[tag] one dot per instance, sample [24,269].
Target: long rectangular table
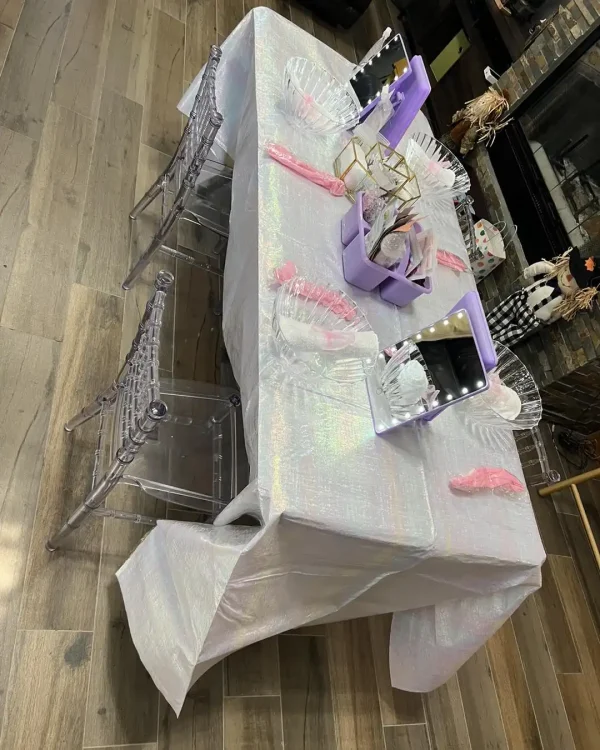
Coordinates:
[352,524]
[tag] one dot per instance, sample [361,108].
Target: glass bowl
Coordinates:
[320,330]
[315,100]
[426,156]
[495,407]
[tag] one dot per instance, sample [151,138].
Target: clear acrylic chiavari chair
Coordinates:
[177,440]
[193,188]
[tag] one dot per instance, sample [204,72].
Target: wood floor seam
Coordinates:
[428,732]
[464,714]
[377,687]
[102,291]
[222,702]
[537,723]
[253,695]
[53,630]
[583,591]
[281,719]
[87,695]
[497,699]
[5,327]
[545,640]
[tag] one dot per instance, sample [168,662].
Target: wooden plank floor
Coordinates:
[87,119]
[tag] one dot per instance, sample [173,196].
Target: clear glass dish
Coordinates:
[426,157]
[534,458]
[315,100]
[492,408]
[320,331]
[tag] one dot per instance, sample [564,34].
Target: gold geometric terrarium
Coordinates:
[392,175]
[351,167]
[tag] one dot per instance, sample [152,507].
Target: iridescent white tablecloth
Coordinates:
[352,524]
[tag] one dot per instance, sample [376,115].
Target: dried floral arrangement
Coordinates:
[478,121]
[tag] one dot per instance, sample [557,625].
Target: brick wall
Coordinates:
[575,20]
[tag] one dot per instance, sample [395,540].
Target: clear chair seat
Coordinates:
[210,202]
[192,458]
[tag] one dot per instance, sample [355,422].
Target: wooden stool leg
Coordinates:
[586,524]
[572,483]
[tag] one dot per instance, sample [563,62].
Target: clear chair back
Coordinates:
[202,127]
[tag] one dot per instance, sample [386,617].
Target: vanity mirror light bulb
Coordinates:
[449,397]
[435,403]
[407,415]
[446,322]
[479,384]
[460,315]
[432,329]
[464,391]
[418,336]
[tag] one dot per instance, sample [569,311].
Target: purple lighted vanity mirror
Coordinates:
[368,80]
[409,86]
[422,375]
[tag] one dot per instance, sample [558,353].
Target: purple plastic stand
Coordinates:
[402,291]
[409,93]
[415,88]
[358,269]
[471,302]
[353,222]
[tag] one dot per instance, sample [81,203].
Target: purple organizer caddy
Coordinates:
[364,274]
[401,291]
[353,222]
[358,269]
[409,93]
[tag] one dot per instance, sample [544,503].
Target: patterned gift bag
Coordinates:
[489,249]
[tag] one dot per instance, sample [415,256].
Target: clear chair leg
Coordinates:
[93,409]
[92,501]
[155,413]
[153,247]
[545,474]
[152,193]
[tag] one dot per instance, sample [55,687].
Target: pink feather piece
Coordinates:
[446,258]
[285,272]
[487,478]
[324,179]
